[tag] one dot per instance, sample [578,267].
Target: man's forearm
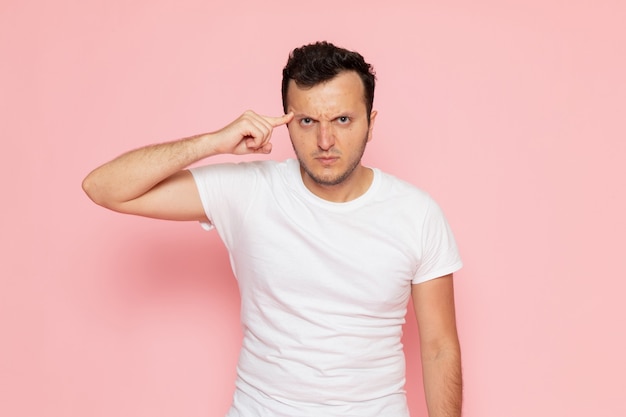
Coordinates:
[443,383]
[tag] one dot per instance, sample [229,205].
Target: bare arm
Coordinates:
[441,354]
[152,181]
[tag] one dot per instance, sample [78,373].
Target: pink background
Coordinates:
[511,113]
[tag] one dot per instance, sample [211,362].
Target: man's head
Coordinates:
[319,62]
[330,92]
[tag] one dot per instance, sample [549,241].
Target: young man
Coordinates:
[326,251]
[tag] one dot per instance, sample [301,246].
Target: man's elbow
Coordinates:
[435,350]
[95,192]
[90,188]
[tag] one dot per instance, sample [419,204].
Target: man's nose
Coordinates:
[325,136]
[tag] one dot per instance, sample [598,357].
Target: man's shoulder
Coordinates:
[272,168]
[398,187]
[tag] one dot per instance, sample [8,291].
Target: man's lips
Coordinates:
[327,159]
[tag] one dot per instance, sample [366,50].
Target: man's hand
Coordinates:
[250,133]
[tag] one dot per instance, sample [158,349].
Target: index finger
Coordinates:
[278,121]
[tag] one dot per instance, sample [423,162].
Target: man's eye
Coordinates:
[343,119]
[306,121]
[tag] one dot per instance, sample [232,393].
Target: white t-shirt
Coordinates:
[324,287]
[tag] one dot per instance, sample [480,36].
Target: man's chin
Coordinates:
[327,179]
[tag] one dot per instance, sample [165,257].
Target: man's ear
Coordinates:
[371,126]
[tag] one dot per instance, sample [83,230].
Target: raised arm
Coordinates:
[441,354]
[153,181]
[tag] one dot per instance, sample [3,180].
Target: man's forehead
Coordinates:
[345,87]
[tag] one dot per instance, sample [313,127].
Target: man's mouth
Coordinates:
[327,159]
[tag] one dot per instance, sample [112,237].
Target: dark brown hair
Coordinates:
[318,62]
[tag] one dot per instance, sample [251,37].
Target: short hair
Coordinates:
[318,62]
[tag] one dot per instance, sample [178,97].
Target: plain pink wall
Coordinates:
[511,113]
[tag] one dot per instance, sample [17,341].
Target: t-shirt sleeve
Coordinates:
[225,191]
[440,254]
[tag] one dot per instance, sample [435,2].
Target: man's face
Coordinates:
[329,130]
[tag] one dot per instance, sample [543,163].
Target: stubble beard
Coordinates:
[339,178]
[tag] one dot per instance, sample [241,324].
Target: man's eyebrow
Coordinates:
[336,116]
